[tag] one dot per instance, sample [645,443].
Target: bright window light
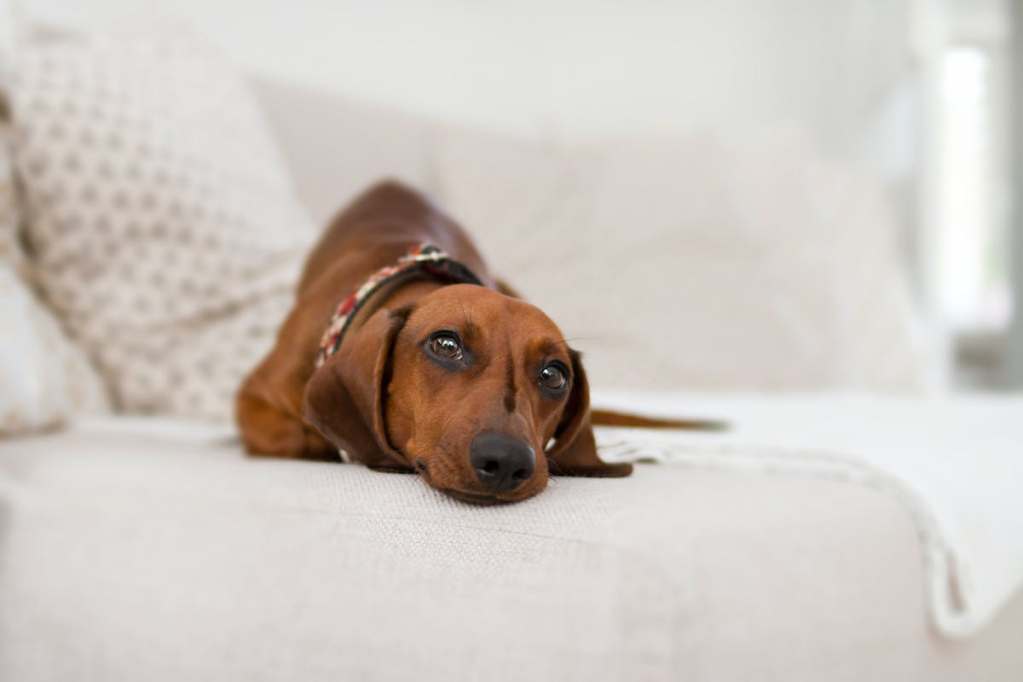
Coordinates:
[973,290]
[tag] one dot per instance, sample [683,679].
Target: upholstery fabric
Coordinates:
[336,146]
[138,548]
[165,231]
[953,463]
[746,263]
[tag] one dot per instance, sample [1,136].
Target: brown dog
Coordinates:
[466,384]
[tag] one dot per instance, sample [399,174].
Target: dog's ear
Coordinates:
[344,398]
[574,452]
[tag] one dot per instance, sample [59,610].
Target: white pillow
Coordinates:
[165,230]
[46,379]
[694,262]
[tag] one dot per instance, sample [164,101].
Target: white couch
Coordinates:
[144,548]
[139,548]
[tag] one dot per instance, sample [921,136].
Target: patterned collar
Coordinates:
[424,259]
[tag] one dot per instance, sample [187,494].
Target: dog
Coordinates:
[404,352]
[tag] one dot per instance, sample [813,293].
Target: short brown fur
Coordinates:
[380,398]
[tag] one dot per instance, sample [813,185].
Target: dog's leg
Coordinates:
[270,432]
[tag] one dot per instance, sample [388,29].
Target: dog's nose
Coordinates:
[502,462]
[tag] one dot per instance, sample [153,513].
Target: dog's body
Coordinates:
[388,399]
[468,385]
[377,229]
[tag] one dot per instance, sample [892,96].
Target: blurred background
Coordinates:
[918,93]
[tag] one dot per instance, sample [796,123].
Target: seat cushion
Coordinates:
[149,549]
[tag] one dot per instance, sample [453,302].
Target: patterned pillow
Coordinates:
[45,378]
[164,229]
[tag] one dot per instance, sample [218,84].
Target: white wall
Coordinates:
[576,67]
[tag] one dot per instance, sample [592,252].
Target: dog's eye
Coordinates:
[554,377]
[446,345]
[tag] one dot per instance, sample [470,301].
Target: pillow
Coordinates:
[694,262]
[164,228]
[45,378]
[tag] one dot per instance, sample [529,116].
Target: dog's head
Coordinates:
[475,390]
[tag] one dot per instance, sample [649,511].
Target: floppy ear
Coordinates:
[344,398]
[575,449]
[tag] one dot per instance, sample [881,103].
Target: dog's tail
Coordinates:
[600,417]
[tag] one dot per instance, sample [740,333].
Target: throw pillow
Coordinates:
[164,228]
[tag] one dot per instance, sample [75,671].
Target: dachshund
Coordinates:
[404,352]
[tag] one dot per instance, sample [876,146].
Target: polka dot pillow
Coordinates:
[164,228]
[45,378]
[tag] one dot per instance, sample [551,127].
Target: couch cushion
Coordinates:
[336,146]
[146,549]
[697,261]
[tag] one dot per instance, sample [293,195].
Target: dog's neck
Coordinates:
[394,296]
[421,262]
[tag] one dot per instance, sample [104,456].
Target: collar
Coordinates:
[424,259]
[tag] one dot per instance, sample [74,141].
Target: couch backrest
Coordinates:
[336,146]
[691,261]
